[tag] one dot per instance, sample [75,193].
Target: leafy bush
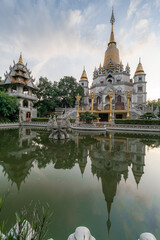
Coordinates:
[88,117]
[40,119]
[37,226]
[72,120]
[137,121]
[147,115]
[8,108]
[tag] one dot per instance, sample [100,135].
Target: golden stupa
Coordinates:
[139,69]
[112,51]
[84,75]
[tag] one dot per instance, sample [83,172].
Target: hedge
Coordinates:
[39,119]
[137,121]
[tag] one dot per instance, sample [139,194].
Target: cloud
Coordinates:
[133,7]
[58,38]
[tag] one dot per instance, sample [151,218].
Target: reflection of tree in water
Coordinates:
[61,153]
[16,156]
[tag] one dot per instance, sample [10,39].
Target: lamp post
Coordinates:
[110,114]
[128,95]
[92,95]
[78,98]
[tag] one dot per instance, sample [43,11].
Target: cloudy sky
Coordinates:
[58,37]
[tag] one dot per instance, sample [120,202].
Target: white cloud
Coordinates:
[133,7]
[58,41]
[142,24]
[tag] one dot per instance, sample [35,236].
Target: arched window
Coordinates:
[25,103]
[25,90]
[14,89]
[98,100]
[119,98]
[110,79]
[107,99]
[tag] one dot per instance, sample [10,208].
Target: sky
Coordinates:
[58,38]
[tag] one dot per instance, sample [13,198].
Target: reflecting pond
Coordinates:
[108,183]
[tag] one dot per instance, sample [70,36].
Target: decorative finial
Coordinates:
[112,17]
[20,59]
[139,60]
[112,20]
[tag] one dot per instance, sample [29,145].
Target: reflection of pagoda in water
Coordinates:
[111,159]
[17,164]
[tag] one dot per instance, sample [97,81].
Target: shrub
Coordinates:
[137,121]
[40,119]
[88,117]
[147,115]
[72,120]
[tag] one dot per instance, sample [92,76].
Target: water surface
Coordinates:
[108,183]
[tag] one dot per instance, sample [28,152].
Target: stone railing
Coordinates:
[136,127]
[9,125]
[81,233]
[23,95]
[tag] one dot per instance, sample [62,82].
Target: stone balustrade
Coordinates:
[81,233]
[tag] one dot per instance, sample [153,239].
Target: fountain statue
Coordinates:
[59,126]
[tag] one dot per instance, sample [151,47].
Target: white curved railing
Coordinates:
[81,233]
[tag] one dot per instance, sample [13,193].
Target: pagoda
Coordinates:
[19,83]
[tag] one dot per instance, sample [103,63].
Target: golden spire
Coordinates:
[84,75]
[95,70]
[139,69]
[112,33]
[121,63]
[100,66]
[112,51]
[20,59]
[127,65]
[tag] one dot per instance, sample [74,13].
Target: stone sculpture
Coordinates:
[147,236]
[59,126]
[81,233]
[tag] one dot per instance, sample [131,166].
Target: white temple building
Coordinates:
[115,95]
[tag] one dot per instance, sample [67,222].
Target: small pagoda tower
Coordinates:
[19,83]
[84,83]
[139,88]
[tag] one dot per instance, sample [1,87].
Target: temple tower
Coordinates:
[139,97]
[19,83]
[84,83]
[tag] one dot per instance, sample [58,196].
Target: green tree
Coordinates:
[47,96]
[8,107]
[88,117]
[147,115]
[62,94]
[69,88]
[2,88]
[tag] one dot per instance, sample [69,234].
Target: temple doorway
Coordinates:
[103,117]
[28,116]
[119,116]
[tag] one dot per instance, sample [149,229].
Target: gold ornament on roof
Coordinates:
[78,97]
[139,69]
[84,76]
[127,65]
[112,51]
[95,70]
[20,59]
[92,95]
[112,21]
[100,66]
